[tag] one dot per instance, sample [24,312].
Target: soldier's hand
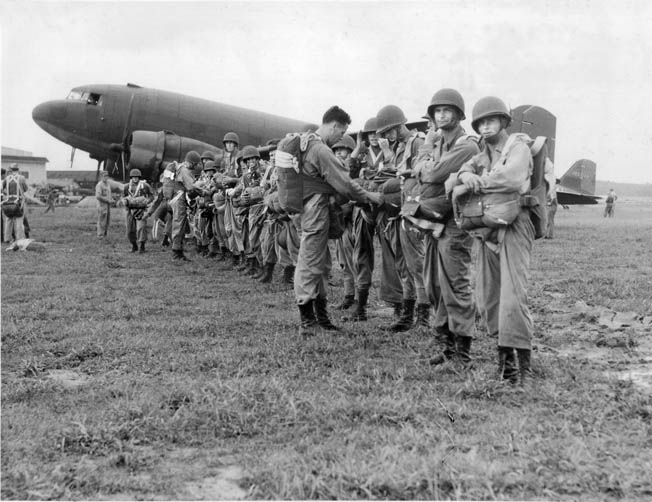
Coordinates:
[376,198]
[431,137]
[470,180]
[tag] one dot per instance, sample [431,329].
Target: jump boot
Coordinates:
[507,369]
[308,326]
[450,347]
[254,268]
[404,322]
[321,313]
[235,261]
[166,241]
[524,369]
[360,312]
[288,274]
[268,273]
[134,247]
[464,349]
[141,250]
[348,301]
[423,315]
[178,255]
[244,263]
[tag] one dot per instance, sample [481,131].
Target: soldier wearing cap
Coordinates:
[137,195]
[502,170]
[14,187]
[104,202]
[403,248]
[447,264]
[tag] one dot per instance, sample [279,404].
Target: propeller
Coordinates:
[72,156]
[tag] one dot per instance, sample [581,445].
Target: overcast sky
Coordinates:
[588,62]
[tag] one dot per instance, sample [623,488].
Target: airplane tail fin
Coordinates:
[580,177]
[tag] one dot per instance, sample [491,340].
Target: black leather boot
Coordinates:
[141,249]
[346,302]
[507,369]
[166,241]
[253,268]
[308,324]
[464,349]
[404,322]
[244,263]
[321,313]
[134,247]
[423,315]
[450,348]
[524,369]
[360,312]
[178,255]
[288,274]
[268,273]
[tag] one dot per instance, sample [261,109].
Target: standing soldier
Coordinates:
[50,200]
[448,257]
[104,202]
[400,148]
[137,196]
[325,177]
[182,185]
[251,198]
[502,169]
[231,144]
[204,215]
[610,202]
[14,187]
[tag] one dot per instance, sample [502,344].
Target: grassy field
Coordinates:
[129,376]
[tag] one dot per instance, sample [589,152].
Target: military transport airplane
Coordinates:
[577,185]
[145,128]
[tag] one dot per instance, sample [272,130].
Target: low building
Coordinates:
[73,177]
[33,168]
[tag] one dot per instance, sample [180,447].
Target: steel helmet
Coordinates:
[208,155]
[210,166]
[250,151]
[389,116]
[448,97]
[345,142]
[238,157]
[135,173]
[370,125]
[231,136]
[487,107]
[192,157]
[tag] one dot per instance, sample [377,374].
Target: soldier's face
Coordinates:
[336,131]
[489,128]
[252,163]
[445,117]
[229,146]
[391,135]
[373,139]
[342,153]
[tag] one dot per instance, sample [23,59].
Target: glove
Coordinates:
[230,192]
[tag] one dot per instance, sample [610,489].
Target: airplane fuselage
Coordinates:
[99,118]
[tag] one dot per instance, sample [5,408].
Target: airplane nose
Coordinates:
[45,113]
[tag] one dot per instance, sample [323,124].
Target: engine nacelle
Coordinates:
[150,151]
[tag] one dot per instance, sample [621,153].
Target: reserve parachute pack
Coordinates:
[289,155]
[497,210]
[169,177]
[12,205]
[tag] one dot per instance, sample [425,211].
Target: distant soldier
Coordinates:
[327,177]
[610,203]
[205,214]
[14,187]
[104,202]
[447,261]
[137,194]
[51,198]
[503,170]
[2,215]
[403,247]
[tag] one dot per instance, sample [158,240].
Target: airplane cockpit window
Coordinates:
[75,95]
[91,98]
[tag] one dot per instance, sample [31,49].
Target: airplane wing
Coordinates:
[573,199]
